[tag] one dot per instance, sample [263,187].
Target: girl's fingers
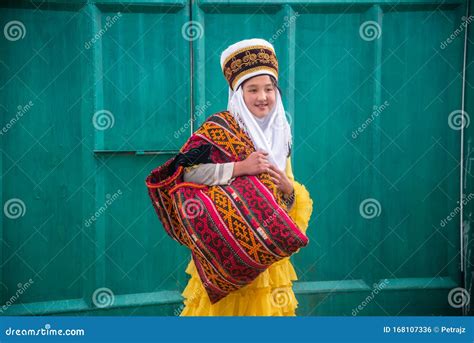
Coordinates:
[273,173]
[275,169]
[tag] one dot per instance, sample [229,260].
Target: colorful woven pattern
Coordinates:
[236,231]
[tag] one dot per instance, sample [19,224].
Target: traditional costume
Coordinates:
[241,231]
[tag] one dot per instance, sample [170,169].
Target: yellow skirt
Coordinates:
[270,294]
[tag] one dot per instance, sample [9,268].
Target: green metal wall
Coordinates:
[468,186]
[107,110]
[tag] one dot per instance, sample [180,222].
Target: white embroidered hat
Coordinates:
[248,58]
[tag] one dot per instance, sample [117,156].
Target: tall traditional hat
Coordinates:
[248,58]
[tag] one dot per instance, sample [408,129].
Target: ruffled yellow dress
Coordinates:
[270,294]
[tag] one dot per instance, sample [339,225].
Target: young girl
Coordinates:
[251,69]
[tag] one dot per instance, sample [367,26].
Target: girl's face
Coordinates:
[259,95]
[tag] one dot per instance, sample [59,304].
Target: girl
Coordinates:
[251,69]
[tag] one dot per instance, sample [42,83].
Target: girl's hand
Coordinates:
[281,180]
[256,163]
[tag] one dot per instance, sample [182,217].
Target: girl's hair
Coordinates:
[272,78]
[275,83]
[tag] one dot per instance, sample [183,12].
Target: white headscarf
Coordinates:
[271,133]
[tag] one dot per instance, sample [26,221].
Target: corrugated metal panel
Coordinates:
[467,238]
[110,82]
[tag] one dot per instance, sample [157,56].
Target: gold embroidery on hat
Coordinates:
[245,61]
[263,68]
[253,47]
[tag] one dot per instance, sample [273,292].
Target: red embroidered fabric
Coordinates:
[234,232]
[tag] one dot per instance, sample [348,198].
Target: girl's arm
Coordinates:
[224,173]
[210,173]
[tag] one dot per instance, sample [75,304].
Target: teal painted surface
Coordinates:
[65,169]
[468,186]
